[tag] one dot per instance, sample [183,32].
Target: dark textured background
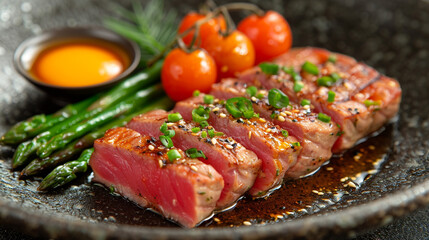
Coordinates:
[392,36]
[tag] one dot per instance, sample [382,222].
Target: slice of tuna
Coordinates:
[277,152]
[237,165]
[184,190]
[356,119]
[316,137]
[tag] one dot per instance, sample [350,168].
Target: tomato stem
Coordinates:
[230,26]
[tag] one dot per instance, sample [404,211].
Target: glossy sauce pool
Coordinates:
[79,63]
[296,198]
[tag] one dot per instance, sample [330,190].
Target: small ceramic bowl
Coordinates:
[28,50]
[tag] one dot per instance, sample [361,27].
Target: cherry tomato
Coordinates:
[183,73]
[270,34]
[213,26]
[232,54]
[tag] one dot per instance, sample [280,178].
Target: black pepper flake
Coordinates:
[181,126]
[207,140]
[159,153]
[294,120]
[240,121]
[234,145]
[153,139]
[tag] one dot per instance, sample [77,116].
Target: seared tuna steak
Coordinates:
[184,190]
[316,137]
[237,165]
[277,152]
[338,86]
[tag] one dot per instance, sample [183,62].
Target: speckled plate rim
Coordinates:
[346,221]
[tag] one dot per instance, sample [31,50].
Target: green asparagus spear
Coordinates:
[127,106]
[39,123]
[67,172]
[138,81]
[39,165]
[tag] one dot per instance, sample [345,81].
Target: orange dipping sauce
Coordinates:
[79,63]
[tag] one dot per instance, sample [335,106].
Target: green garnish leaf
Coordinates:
[203,134]
[211,133]
[251,91]
[269,68]
[195,129]
[174,117]
[204,124]
[277,98]
[324,118]
[195,153]
[173,154]
[208,99]
[310,68]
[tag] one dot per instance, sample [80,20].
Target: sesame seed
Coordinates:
[247,223]
[151,147]
[254,99]
[262,92]
[170,124]
[279,216]
[281,119]
[250,135]
[211,105]
[295,111]
[268,130]
[283,114]
[214,141]
[348,85]
[216,219]
[329,168]
[315,191]
[373,171]
[289,213]
[344,179]
[229,146]
[371,147]
[216,109]
[222,115]
[262,120]
[194,168]
[352,184]
[306,107]
[287,113]
[161,164]
[320,193]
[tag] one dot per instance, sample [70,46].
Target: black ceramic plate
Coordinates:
[390,35]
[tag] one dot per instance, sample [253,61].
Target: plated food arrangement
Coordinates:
[279,120]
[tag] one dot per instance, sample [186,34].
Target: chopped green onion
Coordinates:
[274,115]
[323,117]
[332,58]
[277,98]
[259,96]
[200,114]
[203,134]
[195,129]
[173,154]
[208,99]
[298,86]
[251,91]
[371,103]
[310,68]
[296,144]
[331,96]
[335,77]
[219,133]
[240,107]
[325,81]
[204,124]
[211,133]
[195,153]
[305,102]
[174,117]
[163,127]
[196,93]
[295,76]
[269,68]
[167,133]
[285,133]
[166,141]
[256,115]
